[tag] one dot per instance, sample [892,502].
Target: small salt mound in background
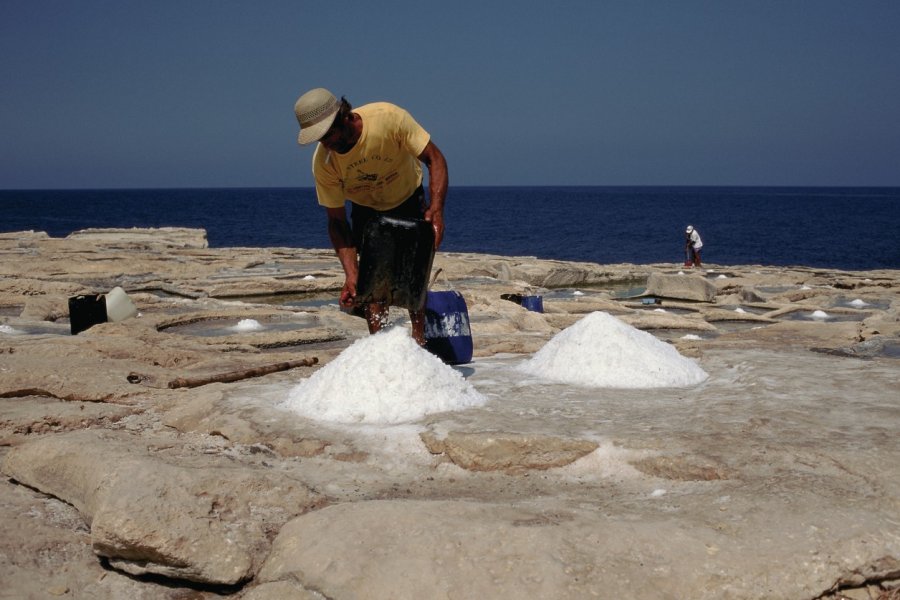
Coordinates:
[859,302]
[819,314]
[248,325]
[382,378]
[603,351]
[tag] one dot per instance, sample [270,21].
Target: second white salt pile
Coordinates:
[385,378]
[603,351]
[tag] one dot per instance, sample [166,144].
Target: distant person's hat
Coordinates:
[315,112]
[689,229]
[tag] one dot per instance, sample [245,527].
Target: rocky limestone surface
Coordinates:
[153,457]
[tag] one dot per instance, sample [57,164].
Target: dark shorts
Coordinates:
[411,208]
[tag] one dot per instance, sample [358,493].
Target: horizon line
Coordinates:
[463,186]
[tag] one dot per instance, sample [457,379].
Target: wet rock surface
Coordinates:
[779,477]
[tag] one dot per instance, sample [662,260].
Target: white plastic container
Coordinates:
[119,306]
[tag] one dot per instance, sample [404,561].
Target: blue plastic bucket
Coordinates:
[533,303]
[448,334]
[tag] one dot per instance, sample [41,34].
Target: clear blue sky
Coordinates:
[185,93]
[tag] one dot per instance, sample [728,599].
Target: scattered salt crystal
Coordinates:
[248,325]
[805,287]
[6,329]
[603,351]
[382,378]
[657,493]
[608,461]
[819,314]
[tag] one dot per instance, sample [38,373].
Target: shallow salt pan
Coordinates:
[603,351]
[384,378]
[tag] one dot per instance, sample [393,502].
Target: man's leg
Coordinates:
[417,318]
[376,316]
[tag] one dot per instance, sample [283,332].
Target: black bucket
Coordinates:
[395,261]
[86,311]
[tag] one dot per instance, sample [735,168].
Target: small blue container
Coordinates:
[447,332]
[533,303]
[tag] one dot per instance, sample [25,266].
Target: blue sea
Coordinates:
[842,228]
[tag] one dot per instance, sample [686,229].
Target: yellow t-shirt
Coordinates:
[382,169]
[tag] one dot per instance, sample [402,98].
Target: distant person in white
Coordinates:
[692,245]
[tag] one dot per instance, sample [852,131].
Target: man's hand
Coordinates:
[436,218]
[348,294]
[342,240]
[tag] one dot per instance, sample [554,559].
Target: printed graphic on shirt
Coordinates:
[369,174]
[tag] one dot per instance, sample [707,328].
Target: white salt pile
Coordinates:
[819,314]
[382,378]
[578,293]
[602,351]
[691,336]
[248,325]
[859,302]
[309,278]
[6,329]
[739,310]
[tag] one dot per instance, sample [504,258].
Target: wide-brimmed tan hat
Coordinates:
[315,112]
